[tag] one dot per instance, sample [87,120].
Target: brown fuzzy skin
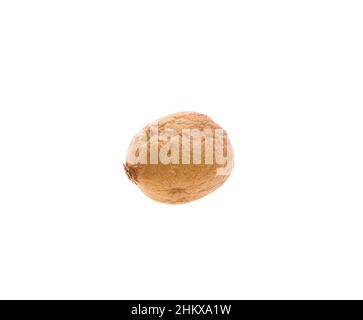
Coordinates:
[179,183]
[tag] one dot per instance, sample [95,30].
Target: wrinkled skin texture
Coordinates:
[179,183]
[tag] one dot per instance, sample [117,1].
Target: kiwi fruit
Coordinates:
[179,158]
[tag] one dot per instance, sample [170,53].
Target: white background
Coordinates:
[79,78]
